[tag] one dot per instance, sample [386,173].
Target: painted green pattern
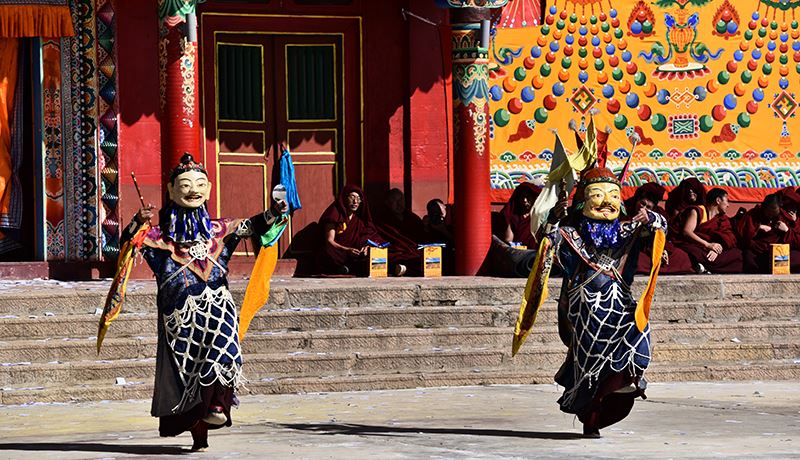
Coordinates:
[172,8]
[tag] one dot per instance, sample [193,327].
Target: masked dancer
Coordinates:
[199,360]
[605,329]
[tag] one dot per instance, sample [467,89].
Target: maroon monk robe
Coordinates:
[793,235]
[717,230]
[351,232]
[793,240]
[679,261]
[678,201]
[515,216]
[791,202]
[405,237]
[755,242]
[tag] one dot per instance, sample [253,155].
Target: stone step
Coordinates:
[312,319]
[294,364]
[658,372]
[38,298]
[135,325]
[495,338]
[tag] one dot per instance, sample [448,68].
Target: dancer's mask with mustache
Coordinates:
[601,195]
[602,201]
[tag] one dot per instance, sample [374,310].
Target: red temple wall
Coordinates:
[406,97]
[407,100]
[138,95]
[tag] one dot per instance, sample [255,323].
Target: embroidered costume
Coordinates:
[607,351]
[198,344]
[199,359]
[604,327]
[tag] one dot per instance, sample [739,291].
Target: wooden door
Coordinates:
[263,88]
[244,126]
[308,118]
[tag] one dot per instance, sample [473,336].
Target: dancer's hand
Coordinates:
[642,216]
[665,257]
[144,214]
[560,211]
[280,207]
[711,256]
[782,227]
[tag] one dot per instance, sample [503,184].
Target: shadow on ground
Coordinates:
[94,447]
[377,430]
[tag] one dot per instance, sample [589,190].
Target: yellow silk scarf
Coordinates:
[535,294]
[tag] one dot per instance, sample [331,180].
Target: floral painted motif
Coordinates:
[188,60]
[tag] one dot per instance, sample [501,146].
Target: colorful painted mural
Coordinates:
[709,87]
[79,114]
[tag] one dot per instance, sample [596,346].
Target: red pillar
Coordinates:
[180,121]
[470,139]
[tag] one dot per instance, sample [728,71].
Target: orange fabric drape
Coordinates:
[642,313]
[257,292]
[35,21]
[8,82]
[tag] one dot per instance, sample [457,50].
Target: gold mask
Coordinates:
[602,201]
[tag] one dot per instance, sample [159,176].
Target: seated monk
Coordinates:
[439,230]
[347,226]
[690,192]
[404,230]
[759,229]
[517,216]
[437,224]
[790,206]
[708,237]
[789,210]
[674,261]
[514,226]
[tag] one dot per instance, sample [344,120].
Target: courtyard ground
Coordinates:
[753,420]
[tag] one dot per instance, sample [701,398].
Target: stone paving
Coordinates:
[752,420]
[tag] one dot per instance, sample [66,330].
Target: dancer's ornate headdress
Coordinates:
[187,164]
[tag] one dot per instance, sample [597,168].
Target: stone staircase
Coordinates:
[364,334]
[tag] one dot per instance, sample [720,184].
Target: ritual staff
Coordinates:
[708,236]
[606,332]
[674,261]
[348,233]
[199,361]
[404,230]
